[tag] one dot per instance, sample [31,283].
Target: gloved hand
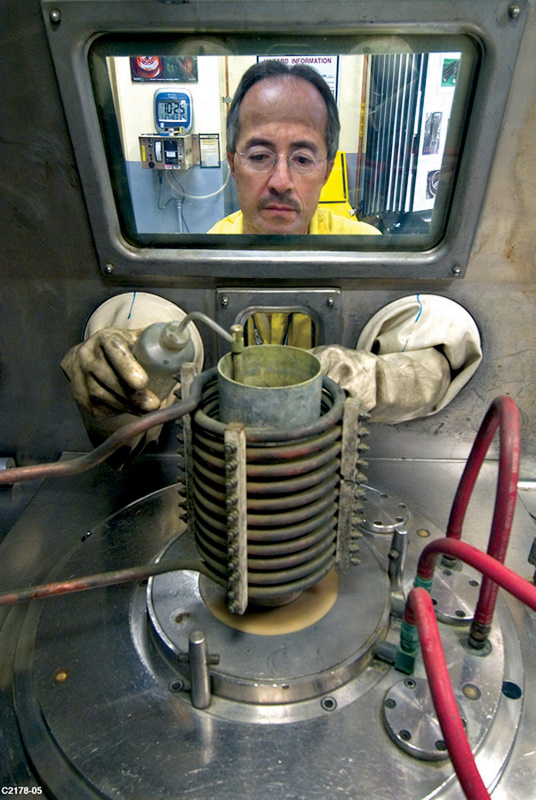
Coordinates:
[394,387]
[411,359]
[107,382]
[105,377]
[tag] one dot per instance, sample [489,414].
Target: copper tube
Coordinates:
[100,580]
[118,439]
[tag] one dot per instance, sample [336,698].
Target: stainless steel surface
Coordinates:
[410,717]
[275,668]
[455,596]
[199,674]
[92,657]
[383,513]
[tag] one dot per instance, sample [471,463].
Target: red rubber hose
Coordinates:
[420,611]
[502,414]
[483,562]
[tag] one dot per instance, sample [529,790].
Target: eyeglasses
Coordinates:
[261,159]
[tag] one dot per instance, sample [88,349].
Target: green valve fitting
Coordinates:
[408,649]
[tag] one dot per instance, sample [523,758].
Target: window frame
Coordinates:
[82,22]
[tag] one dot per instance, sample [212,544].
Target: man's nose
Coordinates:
[280,177]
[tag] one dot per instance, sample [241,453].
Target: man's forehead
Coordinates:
[284,99]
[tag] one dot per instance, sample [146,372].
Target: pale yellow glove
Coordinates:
[105,377]
[394,387]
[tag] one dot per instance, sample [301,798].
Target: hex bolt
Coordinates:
[514,11]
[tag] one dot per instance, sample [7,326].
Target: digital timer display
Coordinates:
[173,111]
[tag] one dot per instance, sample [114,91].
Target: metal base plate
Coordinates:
[103,714]
[318,657]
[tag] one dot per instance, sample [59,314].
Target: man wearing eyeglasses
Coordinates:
[282,138]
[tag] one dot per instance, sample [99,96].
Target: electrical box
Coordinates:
[166,152]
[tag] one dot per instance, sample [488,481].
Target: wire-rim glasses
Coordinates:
[262,159]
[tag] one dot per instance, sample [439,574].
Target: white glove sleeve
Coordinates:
[411,359]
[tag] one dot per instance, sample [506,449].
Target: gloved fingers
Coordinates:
[104,384]
[105,399]
[115,346]
[79,389]
[106,378]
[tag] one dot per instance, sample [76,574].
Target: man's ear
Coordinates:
[329,167]
[230,161]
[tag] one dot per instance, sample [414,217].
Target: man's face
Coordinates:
[284,115]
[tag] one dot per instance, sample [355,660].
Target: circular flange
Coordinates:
[274,667]
[455,595]
[382,513]
[411,722]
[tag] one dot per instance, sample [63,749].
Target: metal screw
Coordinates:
[514,11]
[330,301]
[109,268]
[55,16]
[456,270]
[61,675]
[328,703]
[224,301]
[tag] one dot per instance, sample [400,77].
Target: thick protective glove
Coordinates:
[107,382]
[394,387]
[105,377]
[411,359]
